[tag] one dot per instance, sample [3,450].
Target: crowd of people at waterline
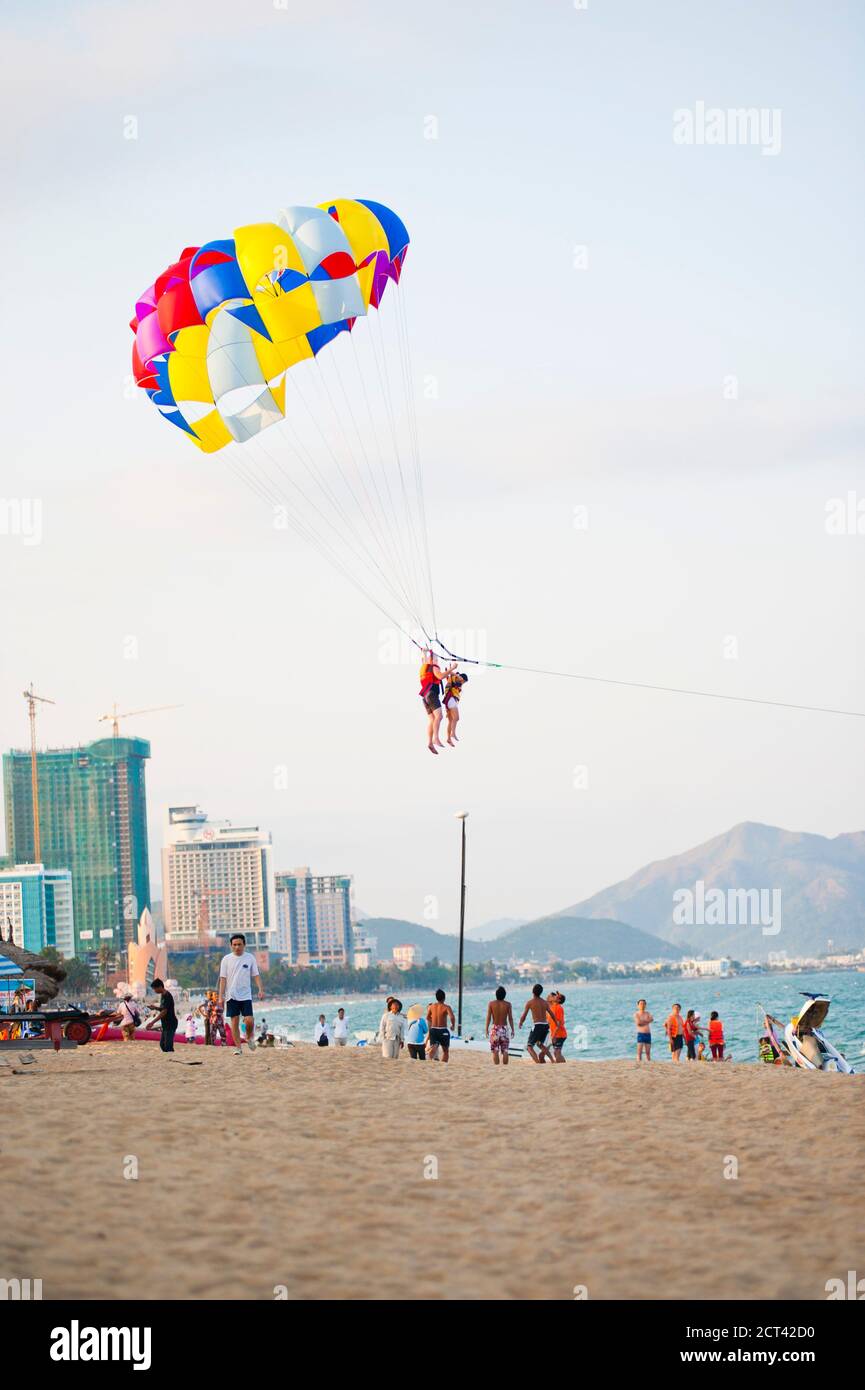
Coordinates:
[684,1034]
[423,1031]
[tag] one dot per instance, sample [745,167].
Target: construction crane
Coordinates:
[115,716]
[205,935]
[31,697]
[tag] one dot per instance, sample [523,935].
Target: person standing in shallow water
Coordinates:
[644,1020]
[499,1027]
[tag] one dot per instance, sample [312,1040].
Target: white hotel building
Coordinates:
[217,876]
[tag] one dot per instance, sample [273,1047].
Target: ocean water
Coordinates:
[599,1017]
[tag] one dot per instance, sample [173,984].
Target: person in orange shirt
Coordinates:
[716,1037]
[675,1031]
[557,1027]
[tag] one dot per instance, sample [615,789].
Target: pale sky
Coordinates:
[566,379]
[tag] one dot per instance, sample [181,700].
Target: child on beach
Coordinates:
[644,1020]
[216,1019]
[716,1037]
[499,1027]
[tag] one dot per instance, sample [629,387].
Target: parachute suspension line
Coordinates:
[424,557]
[411,407]
[362,554]
[384,471]
[308,462]
[325,546]
[292,377]
[262,490]
[379,515]
[330,451]
[664,689]
[392,530]
[384,384]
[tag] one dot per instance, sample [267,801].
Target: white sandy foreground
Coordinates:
[304,1170]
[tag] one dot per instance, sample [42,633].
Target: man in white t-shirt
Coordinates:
[340,1029]
[236,974]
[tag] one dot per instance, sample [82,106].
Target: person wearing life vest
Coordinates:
[559,1033]
[453,688]
[675,1031]
[431,677]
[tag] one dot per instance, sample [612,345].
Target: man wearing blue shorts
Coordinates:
[236,974]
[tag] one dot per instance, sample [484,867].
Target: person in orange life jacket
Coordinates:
[559,1031]
[453,690]
[675,1031]
[716,1036]
[431,677]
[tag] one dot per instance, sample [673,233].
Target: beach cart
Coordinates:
[52,1028]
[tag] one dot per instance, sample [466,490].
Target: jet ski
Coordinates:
[804,1037]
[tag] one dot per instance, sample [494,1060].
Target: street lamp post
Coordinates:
[463,817]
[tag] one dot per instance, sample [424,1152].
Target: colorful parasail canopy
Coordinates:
[217,331]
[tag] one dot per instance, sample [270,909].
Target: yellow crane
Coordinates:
[31,697]
[115,716]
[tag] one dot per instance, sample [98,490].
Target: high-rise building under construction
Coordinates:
[93,821]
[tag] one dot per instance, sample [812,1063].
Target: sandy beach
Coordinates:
[305,1169]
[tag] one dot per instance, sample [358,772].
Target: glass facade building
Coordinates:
[313,913]
[36,905]
[93,821]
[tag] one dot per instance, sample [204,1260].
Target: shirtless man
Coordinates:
[542,1017]
[440,1017]
[644,1020]
[499,1027]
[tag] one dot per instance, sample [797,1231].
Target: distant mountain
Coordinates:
[763,889]
[569,939]
[392,931]
[488,931]
[581,938]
